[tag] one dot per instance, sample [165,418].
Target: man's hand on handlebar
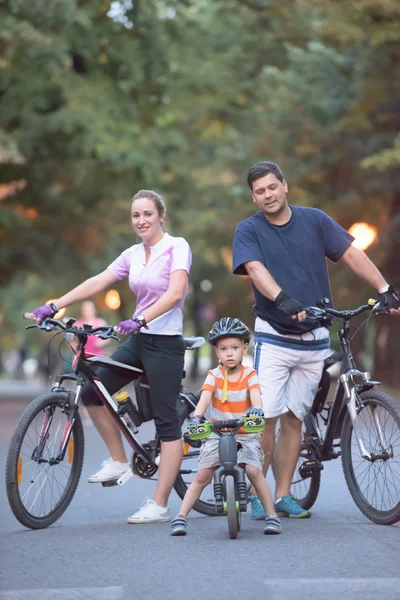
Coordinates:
[290,307]
[391,300]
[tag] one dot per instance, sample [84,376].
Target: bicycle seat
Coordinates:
[333,358]
[193,342]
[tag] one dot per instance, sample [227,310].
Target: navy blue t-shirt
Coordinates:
[295,255]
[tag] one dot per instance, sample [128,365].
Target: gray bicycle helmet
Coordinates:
[229,327]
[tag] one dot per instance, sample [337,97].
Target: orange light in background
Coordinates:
[112,300]
[364,234]
[60,312]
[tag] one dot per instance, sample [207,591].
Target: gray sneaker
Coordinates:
[178,526]
[272,525]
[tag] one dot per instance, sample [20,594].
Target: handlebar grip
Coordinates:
[29,316]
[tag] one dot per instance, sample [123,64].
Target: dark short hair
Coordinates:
[261,169]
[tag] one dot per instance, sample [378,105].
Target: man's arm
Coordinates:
[362,266]
[266,284]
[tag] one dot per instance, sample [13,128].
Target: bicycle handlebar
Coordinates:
[326,312]
[49,324]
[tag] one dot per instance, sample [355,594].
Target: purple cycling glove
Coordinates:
[43,312]
[128,327]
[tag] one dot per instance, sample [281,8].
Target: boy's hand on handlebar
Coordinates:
[195,420]
[391,300]
[290,307]
[128,327]
[43,312]
[255,412]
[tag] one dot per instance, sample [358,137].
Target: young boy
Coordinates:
[231,391]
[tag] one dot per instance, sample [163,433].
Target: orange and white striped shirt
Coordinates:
[238,397]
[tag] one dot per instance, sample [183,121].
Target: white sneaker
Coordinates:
[150,512]
[110,469]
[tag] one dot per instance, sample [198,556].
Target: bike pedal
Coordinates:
[110,483]
[309,467]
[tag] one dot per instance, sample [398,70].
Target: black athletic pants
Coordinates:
[162,358]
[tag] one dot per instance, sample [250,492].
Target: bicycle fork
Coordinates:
[353,402]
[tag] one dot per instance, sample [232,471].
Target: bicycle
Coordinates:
[230,487]
[354,426]
[46,452]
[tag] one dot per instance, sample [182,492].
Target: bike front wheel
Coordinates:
[39,485]
[231,507]
[374,484]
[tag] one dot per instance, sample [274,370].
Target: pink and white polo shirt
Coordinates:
[149,282]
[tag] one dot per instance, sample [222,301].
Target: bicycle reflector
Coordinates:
[199,431]
[253,424]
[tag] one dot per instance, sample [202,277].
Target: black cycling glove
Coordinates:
[391,298]
[288,305]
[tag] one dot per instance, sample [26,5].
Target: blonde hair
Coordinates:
[154,197]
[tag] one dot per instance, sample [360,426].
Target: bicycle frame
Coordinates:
[346,396]
[82,371]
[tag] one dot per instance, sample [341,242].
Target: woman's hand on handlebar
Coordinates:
[128,327]
[43,312]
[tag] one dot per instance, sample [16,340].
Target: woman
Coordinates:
[158,271]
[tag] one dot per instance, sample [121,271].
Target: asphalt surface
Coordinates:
[91,552]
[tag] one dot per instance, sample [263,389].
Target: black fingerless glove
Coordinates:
[288,305]
[390,298]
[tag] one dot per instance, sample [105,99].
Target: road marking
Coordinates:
[331,588]
[82,593]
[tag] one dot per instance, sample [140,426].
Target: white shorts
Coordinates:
[289,373]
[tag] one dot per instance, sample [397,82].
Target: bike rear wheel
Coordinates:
[232,512]
[374,486]
[39,487]
[189,467]
[305,489]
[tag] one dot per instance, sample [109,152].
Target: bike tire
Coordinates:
[310,495]
[180,486]
[230,490]
[305,495]
[14,463]
[371,398]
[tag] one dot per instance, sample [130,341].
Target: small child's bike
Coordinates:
[230,487]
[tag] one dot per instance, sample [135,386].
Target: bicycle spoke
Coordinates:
[43,485]
[378,481]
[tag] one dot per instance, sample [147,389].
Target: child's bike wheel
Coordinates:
[233,519]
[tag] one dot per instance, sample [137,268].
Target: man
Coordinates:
[283,248]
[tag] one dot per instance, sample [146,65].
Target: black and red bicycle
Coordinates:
[46,451]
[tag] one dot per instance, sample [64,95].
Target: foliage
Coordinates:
[99,99]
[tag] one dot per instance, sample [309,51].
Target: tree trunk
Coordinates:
[387,342]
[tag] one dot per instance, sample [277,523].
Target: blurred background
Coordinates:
[99,99]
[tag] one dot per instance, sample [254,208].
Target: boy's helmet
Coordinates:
[229,327]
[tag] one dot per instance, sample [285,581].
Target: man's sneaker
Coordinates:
[150,512]
[272,525]
[288,507]
[257,509]
[110,469]
[178,526]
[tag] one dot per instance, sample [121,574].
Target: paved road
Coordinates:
[93,553]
